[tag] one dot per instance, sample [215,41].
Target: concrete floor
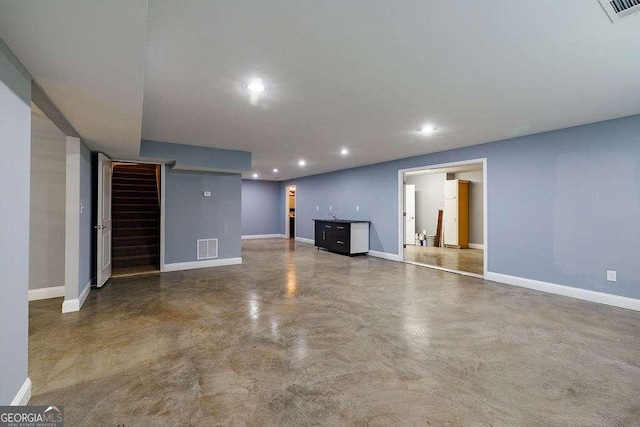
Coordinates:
[296,336]
[469,260]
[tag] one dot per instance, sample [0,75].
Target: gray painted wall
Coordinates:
[476,205]
[191,216]
[262,212]
[86,235]
[190,156]
[47,205]
[429,198]
[15,140]
[563,206]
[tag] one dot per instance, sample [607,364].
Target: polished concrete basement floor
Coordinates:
[469,260]
[296,336]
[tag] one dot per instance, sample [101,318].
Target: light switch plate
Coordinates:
[207,194]
[612,276]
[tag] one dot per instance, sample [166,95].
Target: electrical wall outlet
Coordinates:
[357,208]
[330,208]
[612,276]
[317,208]
[206,193]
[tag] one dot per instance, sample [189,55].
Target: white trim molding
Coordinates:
[567,291]
[72,218]
[163,179]
[23,395]
[448,270]
[476,246]
[46,293]
[69,306]
[385,255]
[192,265]
[305,240]
[262,236]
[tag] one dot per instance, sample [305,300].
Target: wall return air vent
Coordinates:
[620,9]
[207,248]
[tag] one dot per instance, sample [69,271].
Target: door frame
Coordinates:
[163,174]
[485,212]
[286,211]
[404,210]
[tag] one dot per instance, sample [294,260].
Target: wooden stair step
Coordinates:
[135,223]
[150,190]
[135,207]
[130,197]
[126,179]
[130,261]
[132,251]
[135,240]
[130,215]
[134,171]
[126,185]
[135,232]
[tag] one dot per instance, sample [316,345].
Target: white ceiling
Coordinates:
[88,56]
[360,74]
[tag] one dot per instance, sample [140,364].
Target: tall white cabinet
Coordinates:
[456,214]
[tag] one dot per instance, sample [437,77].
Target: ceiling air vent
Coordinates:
[620,9]
[207,248]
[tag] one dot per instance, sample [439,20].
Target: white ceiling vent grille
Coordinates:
[620,9]
[207,248]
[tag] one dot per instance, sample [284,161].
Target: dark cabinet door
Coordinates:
[340,244]
[341,229]
[323,235]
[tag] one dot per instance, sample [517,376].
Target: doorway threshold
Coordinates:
[448,270]
[133,271]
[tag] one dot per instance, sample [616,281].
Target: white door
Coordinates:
[105,172]
[410,214]
[450,219]
[451,189]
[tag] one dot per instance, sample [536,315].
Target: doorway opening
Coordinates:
[443,217]
[290,211]
[135,203]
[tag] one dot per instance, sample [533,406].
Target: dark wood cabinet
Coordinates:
[342,236]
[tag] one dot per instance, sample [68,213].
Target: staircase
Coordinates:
[136,218]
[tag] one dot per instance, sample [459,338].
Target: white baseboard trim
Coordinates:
[192,265]
[385,255]
[24,394]
[305,240]
[448,270]
[567,291]
[69,306]
[476,246]
[263,236]
[46,293]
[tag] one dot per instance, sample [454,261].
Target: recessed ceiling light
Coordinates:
[255,175]
[344,151]
[275,170]
[427,129]
[256,86]
[302,163]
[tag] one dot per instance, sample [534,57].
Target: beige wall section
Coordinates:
[429,198]
[47,211]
